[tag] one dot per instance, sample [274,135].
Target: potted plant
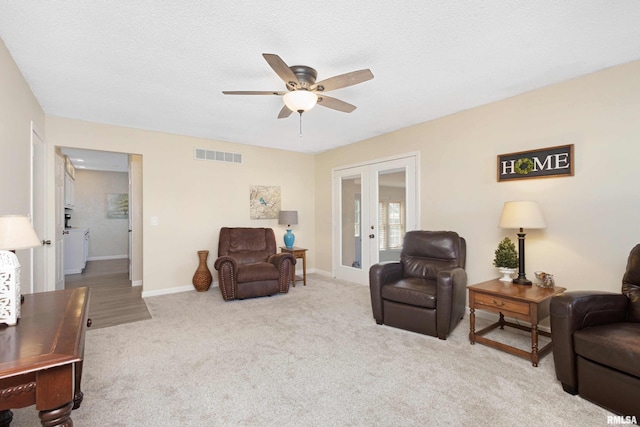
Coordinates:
[506,259]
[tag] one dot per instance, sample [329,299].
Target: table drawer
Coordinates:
[502,304]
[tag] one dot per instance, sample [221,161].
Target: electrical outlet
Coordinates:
[154,220]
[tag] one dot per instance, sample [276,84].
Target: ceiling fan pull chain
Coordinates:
[300,112]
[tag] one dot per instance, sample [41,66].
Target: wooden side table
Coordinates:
[297,253]
[41,357]
[527,303]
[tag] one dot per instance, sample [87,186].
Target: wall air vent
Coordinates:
[219,156]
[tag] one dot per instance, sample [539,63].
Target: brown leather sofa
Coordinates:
[426,291]
[248,265]
[596,343]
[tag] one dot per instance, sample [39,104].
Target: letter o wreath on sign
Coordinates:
[523,166]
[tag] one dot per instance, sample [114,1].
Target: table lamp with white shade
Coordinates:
[521,215]
[16,232]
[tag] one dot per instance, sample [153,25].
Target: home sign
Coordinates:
[541,163]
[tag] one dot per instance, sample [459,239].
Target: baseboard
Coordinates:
[300,271]
[167,291]
[101,258]
[322,273]
[136,283]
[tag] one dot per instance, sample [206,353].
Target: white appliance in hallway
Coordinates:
[76,249]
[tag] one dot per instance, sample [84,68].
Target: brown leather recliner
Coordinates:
[426,291]
[596,343]
[248,265]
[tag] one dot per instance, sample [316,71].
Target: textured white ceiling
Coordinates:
[163,65]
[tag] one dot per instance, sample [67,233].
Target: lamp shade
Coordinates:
[521,214]
[16,232]
[300,100]
[288,217]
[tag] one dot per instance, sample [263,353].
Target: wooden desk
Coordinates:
[297,253]
[41,356]
[527,303]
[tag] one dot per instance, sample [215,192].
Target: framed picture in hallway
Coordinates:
[117,205]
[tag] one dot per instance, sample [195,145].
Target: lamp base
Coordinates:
[289,238]
[522,277]
[522,281]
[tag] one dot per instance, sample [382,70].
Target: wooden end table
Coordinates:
[297,253]
[527,303]
[41,357]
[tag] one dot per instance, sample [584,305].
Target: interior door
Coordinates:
[135,219]
[38,274]
[374,206]
[130,219]
[59,222]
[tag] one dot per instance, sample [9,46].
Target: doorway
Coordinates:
[374,206]
[105,199]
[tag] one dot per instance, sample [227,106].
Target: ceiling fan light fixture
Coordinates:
[300,100]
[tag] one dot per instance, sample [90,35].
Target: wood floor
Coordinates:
[113,300]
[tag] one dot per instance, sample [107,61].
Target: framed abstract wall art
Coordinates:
[264,201]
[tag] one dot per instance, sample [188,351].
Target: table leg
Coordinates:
[6,417]
[60,417]
[501,321]
[304,268]
[293,275]
[534,345]
[79,395]
[472,327]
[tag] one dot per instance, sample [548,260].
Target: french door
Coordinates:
[374,206]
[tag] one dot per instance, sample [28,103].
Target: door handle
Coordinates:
[65,232]
[371,236]
[46,242]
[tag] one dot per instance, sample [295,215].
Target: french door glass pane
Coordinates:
[391,213]
[351,222]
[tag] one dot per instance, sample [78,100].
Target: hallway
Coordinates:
[113,300]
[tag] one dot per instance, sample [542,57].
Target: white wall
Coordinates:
[18,108]
[109,238]
[593,217]
[193,199]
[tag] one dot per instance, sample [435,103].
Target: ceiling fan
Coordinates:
[303,92]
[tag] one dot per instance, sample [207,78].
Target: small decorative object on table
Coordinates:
[506,259]
[202,278]
[546,280]
[16,232]
[9,288]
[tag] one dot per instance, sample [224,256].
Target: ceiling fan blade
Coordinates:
[335,104]
[284,113]
[343,80]
[281,69]
[252,92]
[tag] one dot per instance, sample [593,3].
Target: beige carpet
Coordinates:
[312,357]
